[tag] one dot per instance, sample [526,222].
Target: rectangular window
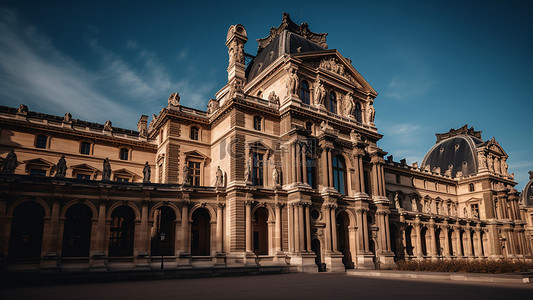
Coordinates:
[160,173]
[257,123]
[257,171]
[37,172]
[41,141]
[85,148]
[124,154]
[194,133]
[311,170]
[83,176]
[194,169]
[122,179]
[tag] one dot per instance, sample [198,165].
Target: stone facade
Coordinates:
[282,169]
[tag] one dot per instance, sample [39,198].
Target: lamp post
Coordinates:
[162,235]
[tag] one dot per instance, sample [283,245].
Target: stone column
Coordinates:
[494,240]
[185,227]
[98,235]
[51,232]
[308,228]
[459,241]
[290,215]
[419,253]
[387,228]
[446,249]
[330,169]
[327,234]
[277,231]
[360,239]
[143,236]
[301,227]
[304,165]
[365,231]
[297,161]
[333,229]
[220,226]
[433,248]
[248,209]
[468,232]
[479,240]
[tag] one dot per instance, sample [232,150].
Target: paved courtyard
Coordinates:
[287,286]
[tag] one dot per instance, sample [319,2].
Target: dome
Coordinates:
[528,191]
[458,152]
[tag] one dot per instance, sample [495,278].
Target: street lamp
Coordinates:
[162,235]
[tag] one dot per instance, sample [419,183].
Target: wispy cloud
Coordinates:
[403,141]
[414,78]
[34,72]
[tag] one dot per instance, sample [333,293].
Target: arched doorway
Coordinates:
[315,247]
[395,241]
[260,226]
[439,241]
[409,240]
[26,231]
[450,242]
[483,243]
[423,235]
[121,232]
[461,248]
[164,222]
[343,239]
[473,239]
[201,233]
[77,231]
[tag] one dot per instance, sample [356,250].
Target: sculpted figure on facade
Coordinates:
[273,98]
[219,182]
[61,167]
[292,83]
[370,112]
[23,110]
[413,204]
[146,172]
[248,173]
[482,160]
[276,177]
[108,126]
[427,207]
[67,118]
[397,200]
[212,106]
[504,167]
[465,212]
[490,163]
[10,163]
[186,175]
[349,107]
[106,170]
[320,96]
[173,100]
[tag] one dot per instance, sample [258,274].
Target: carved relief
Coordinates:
[370,112]
[349,107]
[320,97]
[292,82]
[174,100]
[212,106]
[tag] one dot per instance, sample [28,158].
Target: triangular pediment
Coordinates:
[125,172]
[258,144]
[39,162]
[85,167]
[195,154]
[494,147]
[331,62]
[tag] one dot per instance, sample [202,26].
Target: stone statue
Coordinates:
[23,110]
[219,178]
[174,100]
[397,200]
[239,55]
[465,212]
[61,167]
[67,118]
[108,126]
[349,107]
[482,160]
[292,83]
[504,167]
[212,106]
[147,172]
[248,173]
[370,113]
[475,213]
[106,173]
[275,176]
[413,204]
[273,98]
[186,175]
[427,208]
[10,163]
[320,97]
[490,162]
[497,165]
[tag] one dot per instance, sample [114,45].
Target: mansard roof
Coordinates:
[527,194]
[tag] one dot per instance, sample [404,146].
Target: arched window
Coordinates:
[85,148]
[201,233]
[333,103]
[77,231]
[124,154]
[311,172]
[471,187]
[358,112]
[260,94]
[258,123]
[305,95]
[26,231]
[164,222]
[121,231]
[339,174]
[41,141]
[194,133]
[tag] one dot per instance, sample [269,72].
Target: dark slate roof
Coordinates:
[528,193]
[285,43]
[459,151]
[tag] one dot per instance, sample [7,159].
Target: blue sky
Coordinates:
[435,64]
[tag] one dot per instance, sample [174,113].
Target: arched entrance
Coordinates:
[450,242]
[164,222]
[409,240]
[26,231]
[77,231]
[343,239]
[439,241]
[201,233]
[315,247]
[122,231]
[260,225]
[395,241]
[423,234]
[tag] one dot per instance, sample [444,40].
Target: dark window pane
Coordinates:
[124,154]
[305,96]
[41,141]
[85,148]
[37,172]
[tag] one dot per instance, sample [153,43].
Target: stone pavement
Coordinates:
[284,286]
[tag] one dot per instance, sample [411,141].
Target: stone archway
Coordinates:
[343,239]
[316,248]
[423,241]
[77,231]
[201,233]
[409,240]
[164,222]
[122,231]
[26,231]
[260,231]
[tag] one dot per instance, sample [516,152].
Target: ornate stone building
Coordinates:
[283,168]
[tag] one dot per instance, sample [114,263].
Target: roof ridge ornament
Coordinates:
[288,24]
[460,131]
